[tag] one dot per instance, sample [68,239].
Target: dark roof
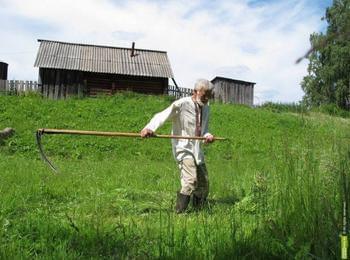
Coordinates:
[232,80]
[102,59]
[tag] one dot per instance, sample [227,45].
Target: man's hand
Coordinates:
[209,139]
[146,133]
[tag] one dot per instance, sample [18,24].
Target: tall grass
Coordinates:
[275,186]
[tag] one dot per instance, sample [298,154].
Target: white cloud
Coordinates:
[236,39]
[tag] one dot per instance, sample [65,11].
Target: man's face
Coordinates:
[202,97]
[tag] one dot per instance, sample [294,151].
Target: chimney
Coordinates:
[133,54]
[133,50]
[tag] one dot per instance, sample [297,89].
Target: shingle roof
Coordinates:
[217,78]
[102,59]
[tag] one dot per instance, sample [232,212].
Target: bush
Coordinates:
[284,107]
[333,110]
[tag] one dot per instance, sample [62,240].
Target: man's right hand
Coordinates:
[146,133]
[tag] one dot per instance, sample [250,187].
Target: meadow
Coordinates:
[276,186]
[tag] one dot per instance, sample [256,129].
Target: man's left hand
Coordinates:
[209,139]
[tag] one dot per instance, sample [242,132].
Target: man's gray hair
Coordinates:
[204,84]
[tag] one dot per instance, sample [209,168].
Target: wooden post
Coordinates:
[39,86]
[57,84]
[2,85]
[86,87]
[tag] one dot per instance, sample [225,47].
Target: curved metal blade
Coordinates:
[41,150]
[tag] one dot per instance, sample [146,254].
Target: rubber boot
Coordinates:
[182,202]
[198,203]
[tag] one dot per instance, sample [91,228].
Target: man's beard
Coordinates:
[199,102]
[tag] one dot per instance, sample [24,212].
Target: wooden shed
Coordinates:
[67,69]
[3,70]
[235,91]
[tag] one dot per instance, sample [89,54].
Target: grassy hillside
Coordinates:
[275,186]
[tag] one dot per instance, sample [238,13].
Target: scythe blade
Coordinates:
[39,134]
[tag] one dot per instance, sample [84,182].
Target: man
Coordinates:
[190,117]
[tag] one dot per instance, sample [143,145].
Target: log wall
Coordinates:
[58,84]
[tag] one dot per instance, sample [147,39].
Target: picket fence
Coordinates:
[18,86]
[179,92]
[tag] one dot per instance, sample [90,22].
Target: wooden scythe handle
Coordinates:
[121,134]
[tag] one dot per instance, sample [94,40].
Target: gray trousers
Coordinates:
[194,178]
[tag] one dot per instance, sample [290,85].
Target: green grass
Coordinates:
[275,186]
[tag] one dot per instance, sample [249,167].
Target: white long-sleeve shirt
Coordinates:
[182,112]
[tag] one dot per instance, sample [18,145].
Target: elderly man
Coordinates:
[189,117]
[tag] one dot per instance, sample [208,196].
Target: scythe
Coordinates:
[40,132]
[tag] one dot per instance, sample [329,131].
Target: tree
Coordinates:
[328,79]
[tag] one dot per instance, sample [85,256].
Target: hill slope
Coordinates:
[276,185]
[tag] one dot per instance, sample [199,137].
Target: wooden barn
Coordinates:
[68,69]
[233,91]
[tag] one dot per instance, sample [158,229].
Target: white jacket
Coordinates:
[183,115]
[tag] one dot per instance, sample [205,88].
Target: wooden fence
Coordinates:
[18,86]
[179,92]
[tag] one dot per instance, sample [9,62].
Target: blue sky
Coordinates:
[253,40]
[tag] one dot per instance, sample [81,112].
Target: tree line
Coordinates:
[328,78]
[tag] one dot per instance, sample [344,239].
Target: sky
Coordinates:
[252,40]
